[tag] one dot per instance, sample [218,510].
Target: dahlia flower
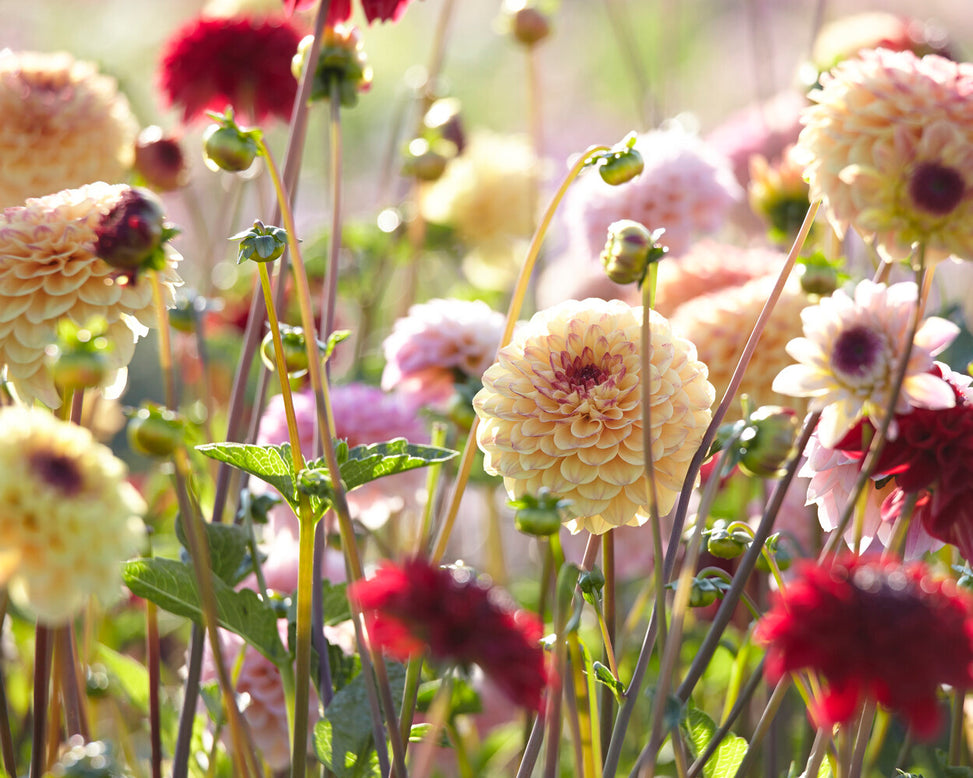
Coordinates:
[363,414]
[62,124]
[417,606]
[437,341]
[68,517]
[562,409]
[932,456]
[243,61]
[720,323]
[685,187]
[48,271]
[888,148]
[849,355]
[778,193]
[873,630]
[340,10]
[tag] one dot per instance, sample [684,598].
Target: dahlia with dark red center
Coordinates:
[873,630]
[932,455]
[240,61]
[340,10]
[416,606]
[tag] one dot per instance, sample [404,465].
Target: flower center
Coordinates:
[580,374]
[856,351]
[936,189]
[58,471]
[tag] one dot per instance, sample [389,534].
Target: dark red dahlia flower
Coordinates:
[932,455]
[416,606]
[340,10]
[874,630]
[242,61]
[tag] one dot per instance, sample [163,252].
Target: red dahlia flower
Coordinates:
[932,454]
[874,630]
[340,10]
[242,61]
[416,606]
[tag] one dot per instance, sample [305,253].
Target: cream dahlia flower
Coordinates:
[48,271]
[889,149]
[62,125]
[721,322]
[68,517]
[849,354]
[562,409]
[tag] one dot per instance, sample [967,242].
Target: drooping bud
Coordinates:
[724,542]
[539,515]
[131,235]
[767,441]
[155,431]
[629,251]
[621,164]
[295,351]
[159,160]
[342,65]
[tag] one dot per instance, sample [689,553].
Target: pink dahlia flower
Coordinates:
[686,187]
[340,10]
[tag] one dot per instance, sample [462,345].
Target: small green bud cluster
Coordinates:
[342,64]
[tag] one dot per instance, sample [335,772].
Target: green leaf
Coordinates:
[172,586]
[227,549]
[463,697]
[343,738]
[699,729]
[334,603]
[603,674]
[272,464]
[129,673]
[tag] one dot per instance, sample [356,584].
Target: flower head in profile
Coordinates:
[874,630]
[562,409]
[62,125]
[68,517]
[417,606]
[340,10]
[48,271]
[877,169]
[243,61]
[685,187]
[439,342]
[721,322]
[849,354]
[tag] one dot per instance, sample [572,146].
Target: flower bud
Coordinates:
[525,22]
[261,243]
[159,160]
[767,442]
[539,516]
[621,167]
[818,275]
[131,235]
[703,593]
[155,431]
[629,251]
[342,63]
[424,161]
[443,120]
[779,193]
[228,148]
[295,351]
[79,369]
[726,544]
[779,553]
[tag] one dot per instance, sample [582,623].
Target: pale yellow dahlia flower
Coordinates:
[47,272]
[889,149]
[68,517]
[562,409]
[62,125]
[720,324]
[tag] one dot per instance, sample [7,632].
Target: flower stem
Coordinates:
[513,314]
[43,646]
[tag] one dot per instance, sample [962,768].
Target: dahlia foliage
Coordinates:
[441,424]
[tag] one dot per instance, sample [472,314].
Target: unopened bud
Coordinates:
[159,160]
[538,515]
[621,167]
[295,351]
[423,160]
[155,431]
[629,251]
[529,25]
[228,148]
[767,442]
[130,236]
[818,275]
[725,543]
[342,64]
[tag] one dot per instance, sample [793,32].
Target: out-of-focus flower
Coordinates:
[48,271]
[873,630]
[159,160]
[68,517]
[487,196]
[685,187]
[932,456]
[416,606]
[363,414]
[882,172]
[562,409]
[438,342]
[850,351]
[62,125]
[720,323]
[243,61]
[778,193]
[340,10]
[261,693]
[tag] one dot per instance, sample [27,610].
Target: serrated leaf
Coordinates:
[343,738]
[699,729]
[334,603]
[227,548]
[272,464]
[172,586]
[366,463]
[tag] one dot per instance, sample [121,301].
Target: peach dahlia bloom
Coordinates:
[48,272]
[62,124]
[68,517]
[888,147]
[562,408]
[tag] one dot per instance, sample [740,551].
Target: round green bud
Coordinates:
[768,440]
[155,432]
[228,148]
[295,351]
[540,522]
[625,257]
[621,167]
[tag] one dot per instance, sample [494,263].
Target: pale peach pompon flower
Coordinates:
[48,272]
[849,354]
[888,148]
[68,517]
[62,124]
[562,409]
